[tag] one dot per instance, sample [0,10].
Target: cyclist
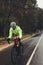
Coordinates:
[14,30]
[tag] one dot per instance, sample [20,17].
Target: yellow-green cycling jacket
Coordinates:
[16,31]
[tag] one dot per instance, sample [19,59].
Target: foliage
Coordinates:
[23,12]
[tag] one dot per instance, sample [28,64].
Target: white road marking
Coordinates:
[29,61]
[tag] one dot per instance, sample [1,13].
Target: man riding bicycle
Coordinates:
[14,30]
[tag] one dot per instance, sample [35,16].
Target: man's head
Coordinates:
[13,25]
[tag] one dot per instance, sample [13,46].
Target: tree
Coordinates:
[40,18]
[21,11]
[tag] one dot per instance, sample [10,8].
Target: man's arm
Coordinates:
[10,33]
[20,33]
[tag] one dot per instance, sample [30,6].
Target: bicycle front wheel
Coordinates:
[13,56]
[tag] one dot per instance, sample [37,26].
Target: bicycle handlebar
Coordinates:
[12,39]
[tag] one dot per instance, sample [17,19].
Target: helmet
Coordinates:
[12,24]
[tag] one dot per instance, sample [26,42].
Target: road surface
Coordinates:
[38,56]
[29,45]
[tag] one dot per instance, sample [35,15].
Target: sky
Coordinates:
[40,3]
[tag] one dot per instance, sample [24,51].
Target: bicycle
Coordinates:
[17,50]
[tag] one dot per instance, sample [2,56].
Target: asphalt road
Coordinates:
[38,56]
[29,45]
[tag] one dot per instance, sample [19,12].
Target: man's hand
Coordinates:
[8,39]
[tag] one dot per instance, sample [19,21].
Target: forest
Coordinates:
[25,13]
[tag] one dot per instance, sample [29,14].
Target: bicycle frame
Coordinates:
[16,40]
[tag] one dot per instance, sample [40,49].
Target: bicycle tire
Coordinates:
[14,58]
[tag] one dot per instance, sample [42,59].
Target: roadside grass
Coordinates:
[27,35]
[2,38]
